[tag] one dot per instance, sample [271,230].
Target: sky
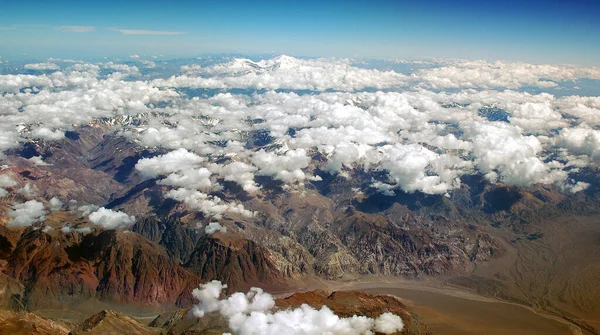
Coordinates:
[532,31]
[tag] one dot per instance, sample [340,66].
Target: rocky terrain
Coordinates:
[344,304]
[140,191]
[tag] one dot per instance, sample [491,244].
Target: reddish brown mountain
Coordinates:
[239,263]
[62,269]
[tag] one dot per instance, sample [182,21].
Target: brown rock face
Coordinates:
[239,263]
[111,322]
[116,266]
[29,324]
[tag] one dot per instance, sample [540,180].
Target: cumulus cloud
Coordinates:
[287,167]
[415,168]
[580,140]
[109,219]
[29,190]
[198,179]
[38,160]
[241,173]
[208,204]
[42,66]
[502,152]
[27,214]
[55,204]
[174,161]
[66,229]
[85,210]
[214,227]
[482,74]
[254,313]
[421,137]
[6,181]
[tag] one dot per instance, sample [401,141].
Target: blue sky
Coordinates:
[534,31]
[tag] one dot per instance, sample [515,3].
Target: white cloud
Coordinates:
[85,210]
[240,173]
[27,214]
[287,167]
[6,180]
[75,29]
[29,190]
[174,161]
[580,140]
[42,66]
[55,204]
[214,227]
[147,32]
[415,168]
[109,219]
[197,179]
[66,229]
[441,134]
[208,204]
[286,72]
[253,313]
[481,74]
[38,160]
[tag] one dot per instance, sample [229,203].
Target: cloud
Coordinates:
[55,204]
[38,160]
[29,190]
[27,214]
[503,153]
[109,219]
[86,210]
[240,173]
[148,32]
[482,74]
[174,161]
[42,66]
[253,313]
[208,204]
[134,56]
[6,181]
[412,134]
[67,229]
[75,29]
[286,72]
[214,227]
[197,179]
[580,140]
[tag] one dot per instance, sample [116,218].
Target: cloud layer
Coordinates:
[288,119]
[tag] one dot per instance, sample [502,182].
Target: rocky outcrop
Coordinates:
[58,269]
[111,322]
[350,303]
[28,323]
[239,263]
